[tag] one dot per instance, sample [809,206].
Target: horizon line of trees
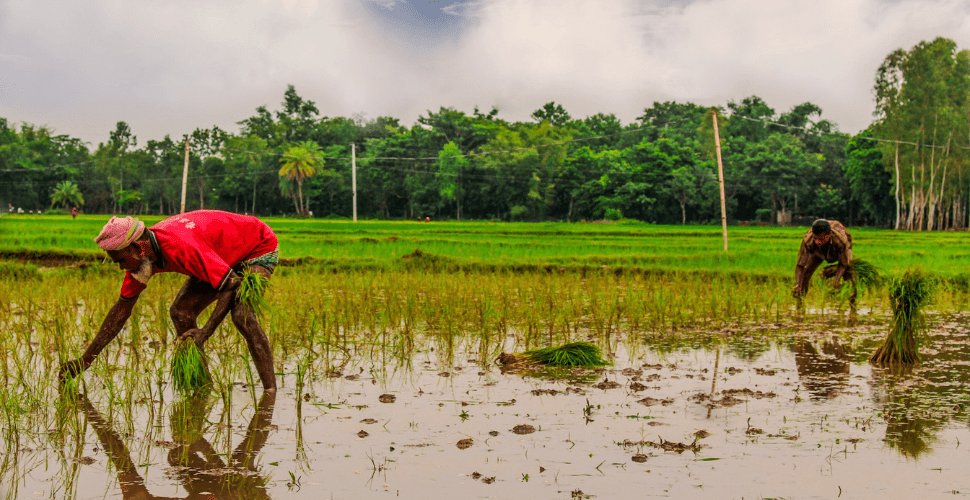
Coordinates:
[910,169]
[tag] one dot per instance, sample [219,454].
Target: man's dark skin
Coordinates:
[191,300]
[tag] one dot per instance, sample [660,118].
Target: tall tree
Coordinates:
[299,163]
[67,193]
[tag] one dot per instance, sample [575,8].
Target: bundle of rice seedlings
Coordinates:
[860,271]
[575,354]
[189,371]
[907,296]
[252,290]
[861,274]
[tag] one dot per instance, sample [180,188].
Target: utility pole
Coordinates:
[720,177]
[185,174]
[353,175]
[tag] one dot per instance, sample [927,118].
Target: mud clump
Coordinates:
[542,392]
[607,384]
[749,392]
[648,401]
[639,458]
[523,429]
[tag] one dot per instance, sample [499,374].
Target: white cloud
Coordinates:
[172,66]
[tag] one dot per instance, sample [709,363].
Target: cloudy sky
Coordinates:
[170,66]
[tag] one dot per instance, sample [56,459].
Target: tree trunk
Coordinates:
[299,191]
[899,180]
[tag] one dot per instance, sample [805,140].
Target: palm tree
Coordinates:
[300,162]
[66,193]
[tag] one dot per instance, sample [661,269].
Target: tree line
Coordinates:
[910,169]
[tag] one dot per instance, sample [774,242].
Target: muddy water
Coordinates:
[787,411]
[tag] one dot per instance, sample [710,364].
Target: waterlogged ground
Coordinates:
[776,411]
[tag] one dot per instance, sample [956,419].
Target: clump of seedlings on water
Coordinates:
[908,295]
[571,355]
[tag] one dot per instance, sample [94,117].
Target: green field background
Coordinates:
[756,251]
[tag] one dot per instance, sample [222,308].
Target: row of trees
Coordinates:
[908,170]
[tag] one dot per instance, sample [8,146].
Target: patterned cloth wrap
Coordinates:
[268,260]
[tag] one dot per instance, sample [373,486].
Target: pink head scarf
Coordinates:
[120,232]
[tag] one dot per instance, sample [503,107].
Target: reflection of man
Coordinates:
[823,373]
[826,241]
[210,247]
[202,471]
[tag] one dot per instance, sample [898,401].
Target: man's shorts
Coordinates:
[268,260]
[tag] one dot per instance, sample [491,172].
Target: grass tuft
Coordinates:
[575,354]
[189,371]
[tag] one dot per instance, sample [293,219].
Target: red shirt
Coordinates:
[205,244]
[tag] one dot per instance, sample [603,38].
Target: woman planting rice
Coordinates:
[212,248]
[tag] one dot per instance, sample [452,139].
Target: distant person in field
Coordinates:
[210,247]
[73,212]
[827,241]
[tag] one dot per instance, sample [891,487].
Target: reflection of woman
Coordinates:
[203,472]
[823,373]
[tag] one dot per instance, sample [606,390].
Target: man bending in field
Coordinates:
[210,247]
[828,241]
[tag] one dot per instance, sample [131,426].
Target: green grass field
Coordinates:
[372,245]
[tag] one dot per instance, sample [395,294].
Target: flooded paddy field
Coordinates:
[773,410]
[390,386]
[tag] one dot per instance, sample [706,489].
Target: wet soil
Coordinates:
[789,411]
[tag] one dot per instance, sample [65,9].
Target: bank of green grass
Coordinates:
[757,252]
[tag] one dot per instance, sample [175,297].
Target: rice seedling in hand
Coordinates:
[189,370]
[251,292]
[907,297]
[861,275]
[574,354]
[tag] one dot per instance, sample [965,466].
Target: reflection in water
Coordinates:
[905,408]
[202,471]
[823,371]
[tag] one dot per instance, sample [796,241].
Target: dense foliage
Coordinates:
[910,169]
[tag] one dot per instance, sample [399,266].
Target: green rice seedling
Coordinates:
[189,370]
[907,297]
[863,273]
[252,292]
[574,354]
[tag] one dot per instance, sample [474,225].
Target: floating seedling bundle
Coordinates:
[907,297]
[572,355]
[189,371]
